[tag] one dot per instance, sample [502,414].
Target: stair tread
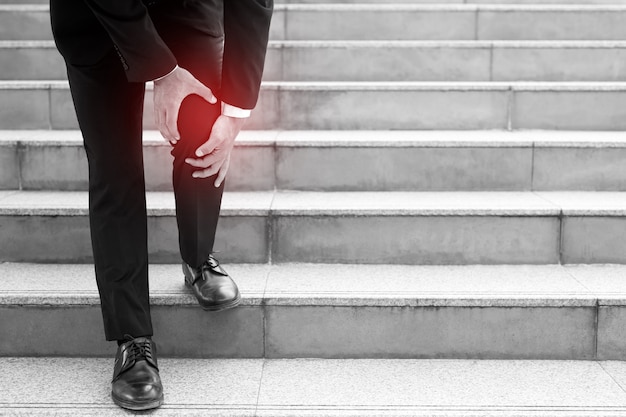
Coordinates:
[384,203]
[361,138]
[382,6]
[329,387]
[401,86]
[462,85]
[385,43]
[351,285]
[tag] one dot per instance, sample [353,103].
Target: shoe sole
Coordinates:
[219,307]
[137,406]
[224,306]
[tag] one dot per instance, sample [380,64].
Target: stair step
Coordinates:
[449,21]
[56,160]
[354,227]
[333,388]
[303,310]
[278,2]
[371,105]
[350,161]
[399,21]
[387,61]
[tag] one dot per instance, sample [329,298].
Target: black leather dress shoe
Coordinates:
[136,382]
[212,286]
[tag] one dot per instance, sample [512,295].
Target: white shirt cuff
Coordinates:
[232,111]
[160,78]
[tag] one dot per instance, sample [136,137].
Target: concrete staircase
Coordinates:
[421,180]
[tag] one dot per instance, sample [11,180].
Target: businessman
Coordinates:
[206,59]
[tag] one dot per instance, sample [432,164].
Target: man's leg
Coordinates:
[109,111]
[199,50]
[184,28]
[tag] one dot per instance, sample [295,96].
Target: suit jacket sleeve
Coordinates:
[143,53]
[246,33]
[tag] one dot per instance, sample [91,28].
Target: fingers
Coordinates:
[163,128]
[209,146]
[205,92]
[210,171]
[206,149]
[159,119]
[222,172]
[212,164]
[205,162]
[171,123]
[169,92]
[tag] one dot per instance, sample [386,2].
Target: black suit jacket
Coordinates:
[85,29]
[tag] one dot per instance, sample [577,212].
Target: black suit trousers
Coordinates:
[109,111]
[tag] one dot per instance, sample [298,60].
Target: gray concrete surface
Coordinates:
[303,310]
[333,388]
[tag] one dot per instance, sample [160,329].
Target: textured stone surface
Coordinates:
[430,332]
[408,22]
[252,168]
[611,330]
[587,203]
[385,61]
[62,165]
[407,105]
[535,23]
[480,311]
[273,69]
[413,203]
[278,24]
[591,169]
[617,370]
[36,222]
[428,138]
[391,60]
[593,240]
[62,112]
[180,331]
[416,240]
[570,110]
[158,203]
[336,285]
[324,387]
[32,61]
[404,108]
[54,168]
[397,168]
[55,331]
[9,168]
[25,22]
[267,113]
[409,227]
[45,239]
[243,239]
[606,282]
[439,384]
[193,332]
[24,109]
[355,160]
[225,383]
[566,63]
[425,286]
[75,284]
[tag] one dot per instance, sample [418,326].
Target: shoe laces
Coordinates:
[139,349]
[210,264]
